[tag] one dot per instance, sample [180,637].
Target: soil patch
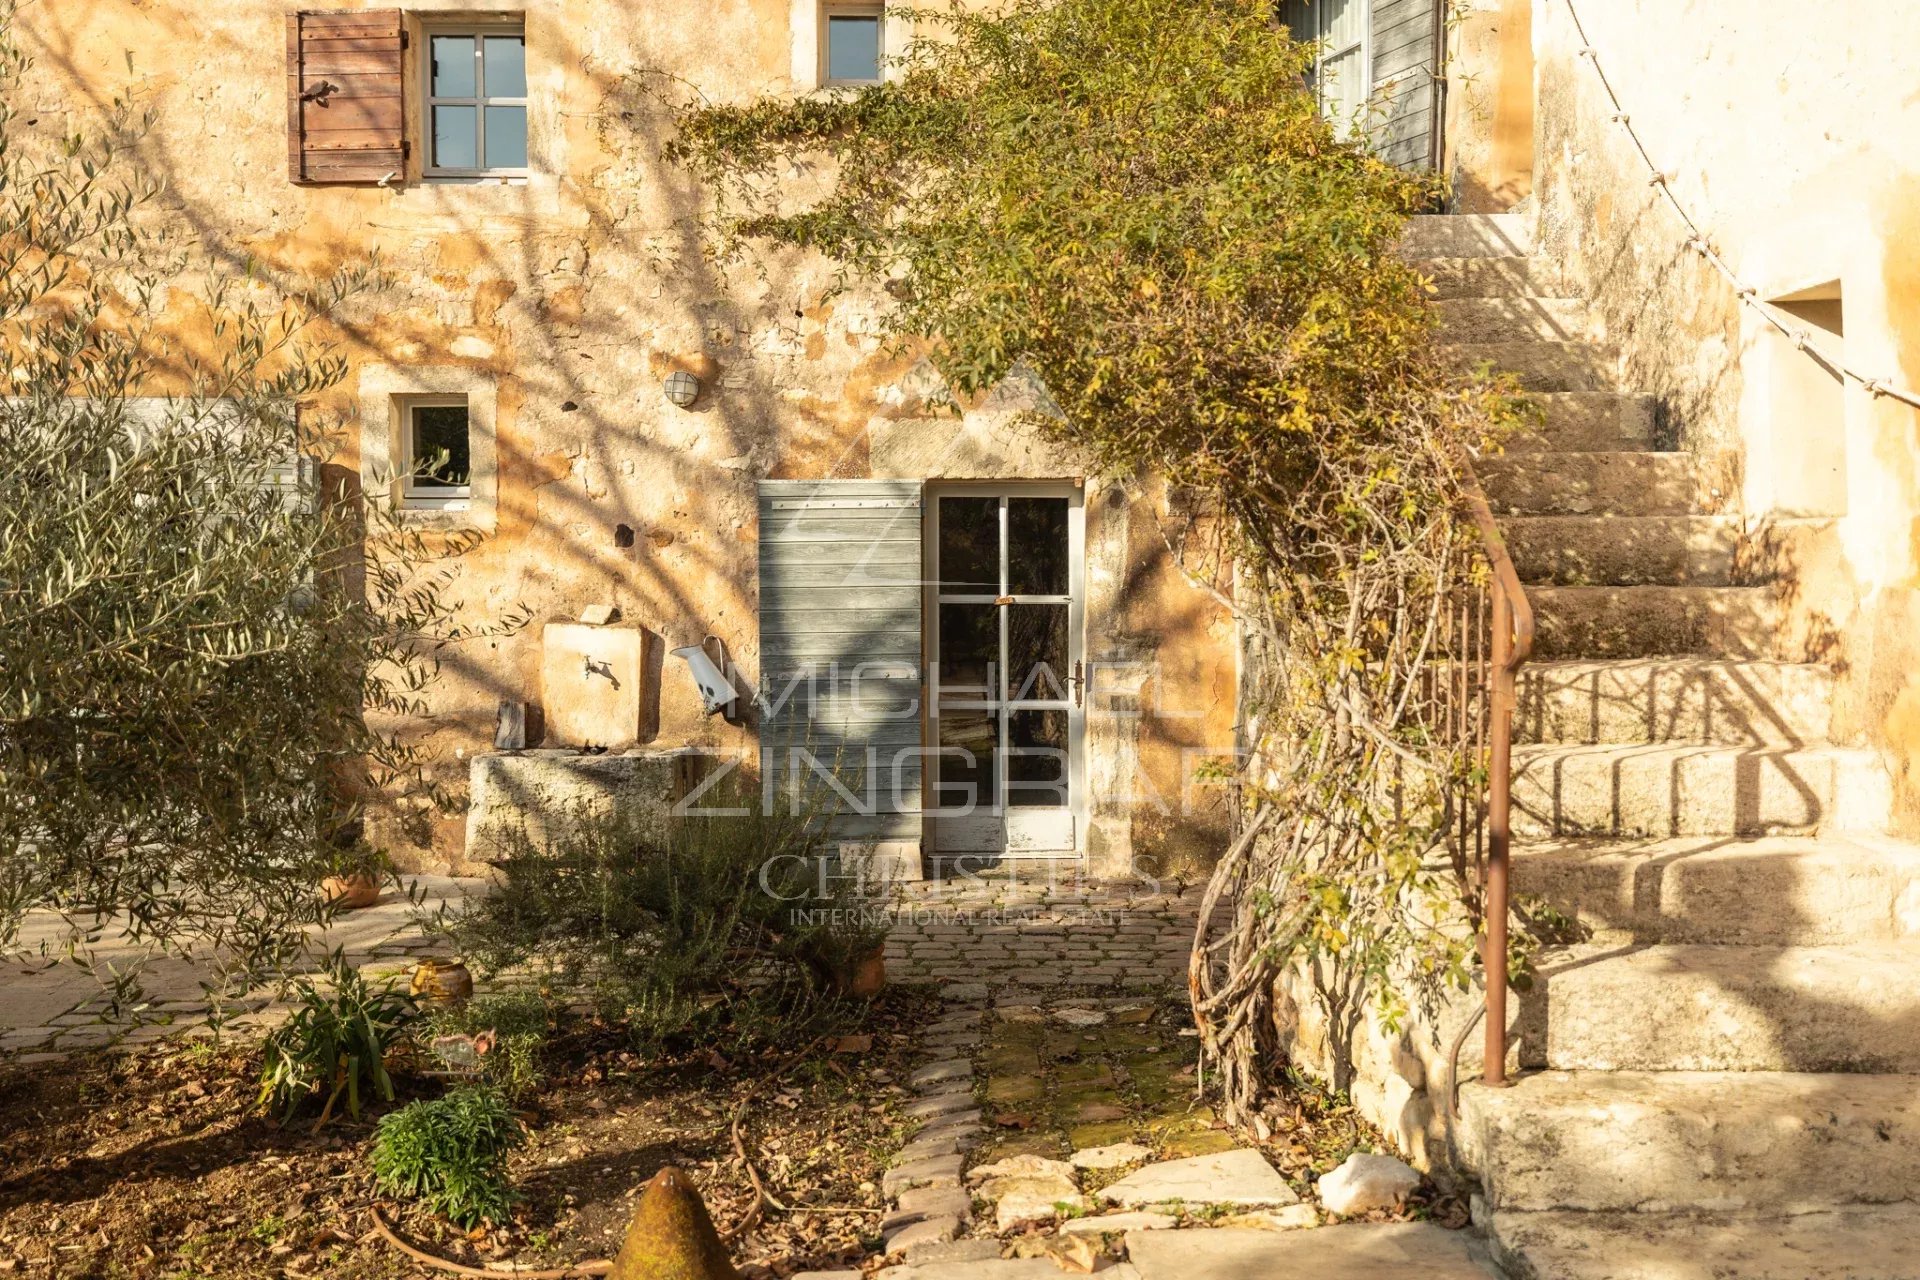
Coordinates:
[157,1163]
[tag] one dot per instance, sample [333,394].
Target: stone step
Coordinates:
[1346,1251]
[1587,422]
[1869,1243]
[1512,319]
[1466,235]
[1624,551]
[1538,365]
[1615,483]
[1661,790]
[1651,621]
[1780,1142]
[1685,1007]
[1767,891]
[1704,700]
[1509,276]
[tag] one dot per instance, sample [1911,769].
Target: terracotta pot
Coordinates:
[866,977]
[352,892]
[442,982]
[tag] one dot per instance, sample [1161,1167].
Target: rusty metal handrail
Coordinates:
[1512,626]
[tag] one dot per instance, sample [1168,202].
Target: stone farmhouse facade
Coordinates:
[622,419]
[1690,228]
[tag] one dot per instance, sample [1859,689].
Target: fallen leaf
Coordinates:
[1013,1120]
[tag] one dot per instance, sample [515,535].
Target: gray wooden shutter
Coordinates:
[1402,50]
[346,108]
[840,651]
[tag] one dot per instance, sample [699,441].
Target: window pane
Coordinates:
[1037,652]
[969,652]
[456,143]
[453,67]
[1341,22]
[1037,759]
[970,546]
[969,744]
[506,66]
[506,137]
[442,455]
[853,47]
[1341,96]
[1037,546]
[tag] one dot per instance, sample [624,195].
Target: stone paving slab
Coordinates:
[1240,1179]
[1360,1251]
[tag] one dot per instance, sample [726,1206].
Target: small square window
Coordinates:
[436,452]
[476,102]
[854,36]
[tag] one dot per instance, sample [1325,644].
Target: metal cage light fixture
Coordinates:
[682,388]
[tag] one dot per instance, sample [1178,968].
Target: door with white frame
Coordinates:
[1006,587]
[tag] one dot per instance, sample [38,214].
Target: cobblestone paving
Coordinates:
[967,935]
[1038,934]
[47,1010]
[1062,1036]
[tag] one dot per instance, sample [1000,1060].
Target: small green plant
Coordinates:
[451,1153]
[495,1038]
[337,1040]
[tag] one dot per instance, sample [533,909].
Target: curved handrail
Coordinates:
[1512,644]
[1495,545]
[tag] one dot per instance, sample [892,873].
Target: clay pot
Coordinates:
[866,977]
[351,892]
[443,982]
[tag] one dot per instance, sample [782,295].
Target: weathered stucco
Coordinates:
[1796,145]
[560,304]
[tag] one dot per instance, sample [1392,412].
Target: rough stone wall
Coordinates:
[562,303]
[1795,142]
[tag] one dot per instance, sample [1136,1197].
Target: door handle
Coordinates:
[1079,684]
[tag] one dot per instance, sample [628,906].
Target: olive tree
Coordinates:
[192,633]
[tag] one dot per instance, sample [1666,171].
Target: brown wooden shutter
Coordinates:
[346,113]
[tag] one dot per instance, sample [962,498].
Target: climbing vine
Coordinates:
[1138,202]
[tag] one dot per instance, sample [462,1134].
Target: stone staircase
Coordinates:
[1722,1079]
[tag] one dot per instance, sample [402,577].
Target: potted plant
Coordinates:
[356,879]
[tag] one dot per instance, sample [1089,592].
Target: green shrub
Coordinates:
[708,928]
[497,1038]
[450,1152]
[1138,205]
[337,1039]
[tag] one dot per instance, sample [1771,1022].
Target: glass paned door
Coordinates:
[1008,676]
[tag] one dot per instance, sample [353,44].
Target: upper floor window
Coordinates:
[853,38]
[476,101]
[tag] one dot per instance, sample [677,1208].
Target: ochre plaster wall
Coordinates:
[1489,120]
[567,300]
